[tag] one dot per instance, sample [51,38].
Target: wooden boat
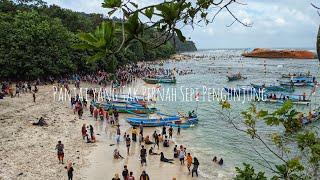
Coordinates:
[241,90]
[282,98]
[129,97]
[159,119]
[234,77]
[189,123]
[160,79]
[125,107]
[296,75]
[297,84]
[306,120]
[280,101]
[299,81]
[273,88]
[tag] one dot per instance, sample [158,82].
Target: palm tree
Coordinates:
[100,43]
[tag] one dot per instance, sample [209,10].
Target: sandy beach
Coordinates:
[28,152]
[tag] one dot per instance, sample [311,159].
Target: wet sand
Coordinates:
[104,166]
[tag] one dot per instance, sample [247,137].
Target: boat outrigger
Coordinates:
[126,107]
[273,88]
[299,81]
[159,119]
[282,98]
[160,79]
[297,75]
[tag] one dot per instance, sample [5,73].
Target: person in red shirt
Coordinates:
[95,113]
[101,113]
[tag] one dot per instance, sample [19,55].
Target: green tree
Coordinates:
[34,46]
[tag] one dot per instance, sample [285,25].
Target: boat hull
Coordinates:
[159,80]
[278,101]
[273,88]
[173,121]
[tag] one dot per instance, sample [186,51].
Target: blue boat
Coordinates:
[315,117]
[299,81]
[189,123]
[273,88]
[160,119]
[298,84]
[126,107]
[282,98]
[310,79]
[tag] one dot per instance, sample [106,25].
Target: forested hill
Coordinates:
[37,41]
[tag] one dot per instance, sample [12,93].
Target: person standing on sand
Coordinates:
[134,134]
[189,161]
[91,107]
[118,134]
[144,176]
[178,132]
[60,148]
[143,154]
[181,156]
[140,138]
[131,177]
[101,113]
[34,96]
[141,128]
[116,177]
[195,166]
[156,140]
[128,141]
[84,131]
[80,111]
[17,90]
[164,131]
[95,113]
[116,116]
[170,132]
[91,131]
[69,170]
[125,172]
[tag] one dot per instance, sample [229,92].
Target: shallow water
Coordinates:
[213,136]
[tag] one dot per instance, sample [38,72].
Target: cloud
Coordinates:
[285,23]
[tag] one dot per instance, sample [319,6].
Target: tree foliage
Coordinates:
[296,151]
[37,41]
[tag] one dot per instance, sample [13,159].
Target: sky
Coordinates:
[275,23]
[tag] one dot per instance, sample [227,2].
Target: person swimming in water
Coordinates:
[215,159]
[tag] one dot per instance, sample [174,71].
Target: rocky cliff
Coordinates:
[184,46]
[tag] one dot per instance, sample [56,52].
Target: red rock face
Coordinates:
[268,53]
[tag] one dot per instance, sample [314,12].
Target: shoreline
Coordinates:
[20,138]
[101,157]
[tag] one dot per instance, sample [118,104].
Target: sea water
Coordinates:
[214,136]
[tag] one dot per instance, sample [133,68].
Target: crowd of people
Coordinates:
[147,142]
[21,87]
[122,77]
